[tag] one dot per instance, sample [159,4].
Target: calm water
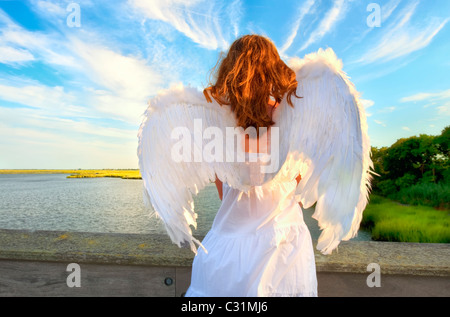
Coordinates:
[54,202]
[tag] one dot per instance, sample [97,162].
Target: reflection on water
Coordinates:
[54,202]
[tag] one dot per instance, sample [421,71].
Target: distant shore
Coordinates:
[119,173]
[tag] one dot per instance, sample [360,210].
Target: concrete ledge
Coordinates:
[97,248]
[419,259]
[157,250]
[35,264]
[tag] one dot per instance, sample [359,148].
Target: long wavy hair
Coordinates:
[251,74]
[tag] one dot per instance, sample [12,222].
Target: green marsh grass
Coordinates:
[391,221]
[126,174]
[428,194]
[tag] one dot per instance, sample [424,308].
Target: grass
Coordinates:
[125,174]
[391,221]
[434,195]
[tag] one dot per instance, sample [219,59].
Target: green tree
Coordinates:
[442,143]
[377,159]
[412,161]
[414,156]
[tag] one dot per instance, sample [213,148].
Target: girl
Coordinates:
[259,244]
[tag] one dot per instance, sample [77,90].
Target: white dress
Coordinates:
[258,245]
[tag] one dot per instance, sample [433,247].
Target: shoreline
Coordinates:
[79,173]
[368,224]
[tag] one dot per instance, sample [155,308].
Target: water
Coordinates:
[55,202]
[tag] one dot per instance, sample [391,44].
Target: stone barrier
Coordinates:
[48,263]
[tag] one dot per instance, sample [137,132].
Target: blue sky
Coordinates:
[72,91]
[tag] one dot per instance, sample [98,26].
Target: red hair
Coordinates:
[248,76]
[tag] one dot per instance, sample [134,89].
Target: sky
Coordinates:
[76,76]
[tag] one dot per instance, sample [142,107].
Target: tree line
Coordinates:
[414,164]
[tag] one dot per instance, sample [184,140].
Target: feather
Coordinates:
[170,183]
[334,141]
[323,138]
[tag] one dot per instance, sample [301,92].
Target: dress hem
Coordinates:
[193,293]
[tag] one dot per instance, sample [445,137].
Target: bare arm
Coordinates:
[219,187]
[299,178]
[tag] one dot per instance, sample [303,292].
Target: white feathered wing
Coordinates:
[323,137]
[328,139]
[182,114]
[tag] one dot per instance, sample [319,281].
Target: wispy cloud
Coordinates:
[129,79]
[387,109]
[380,123]
[10,55]
[302,12]
[58,133]
[65,92]
[235,13]
[60,150]
[199,20]
[440,100]
[367,104]
[35,95]
[124,81]
[381,71]
[444,110]
[50,48]
[95,104]
[402,38]
[388,8]
[386,11]
[335,14]
[442,95]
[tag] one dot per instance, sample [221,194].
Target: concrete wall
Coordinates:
[36,264]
